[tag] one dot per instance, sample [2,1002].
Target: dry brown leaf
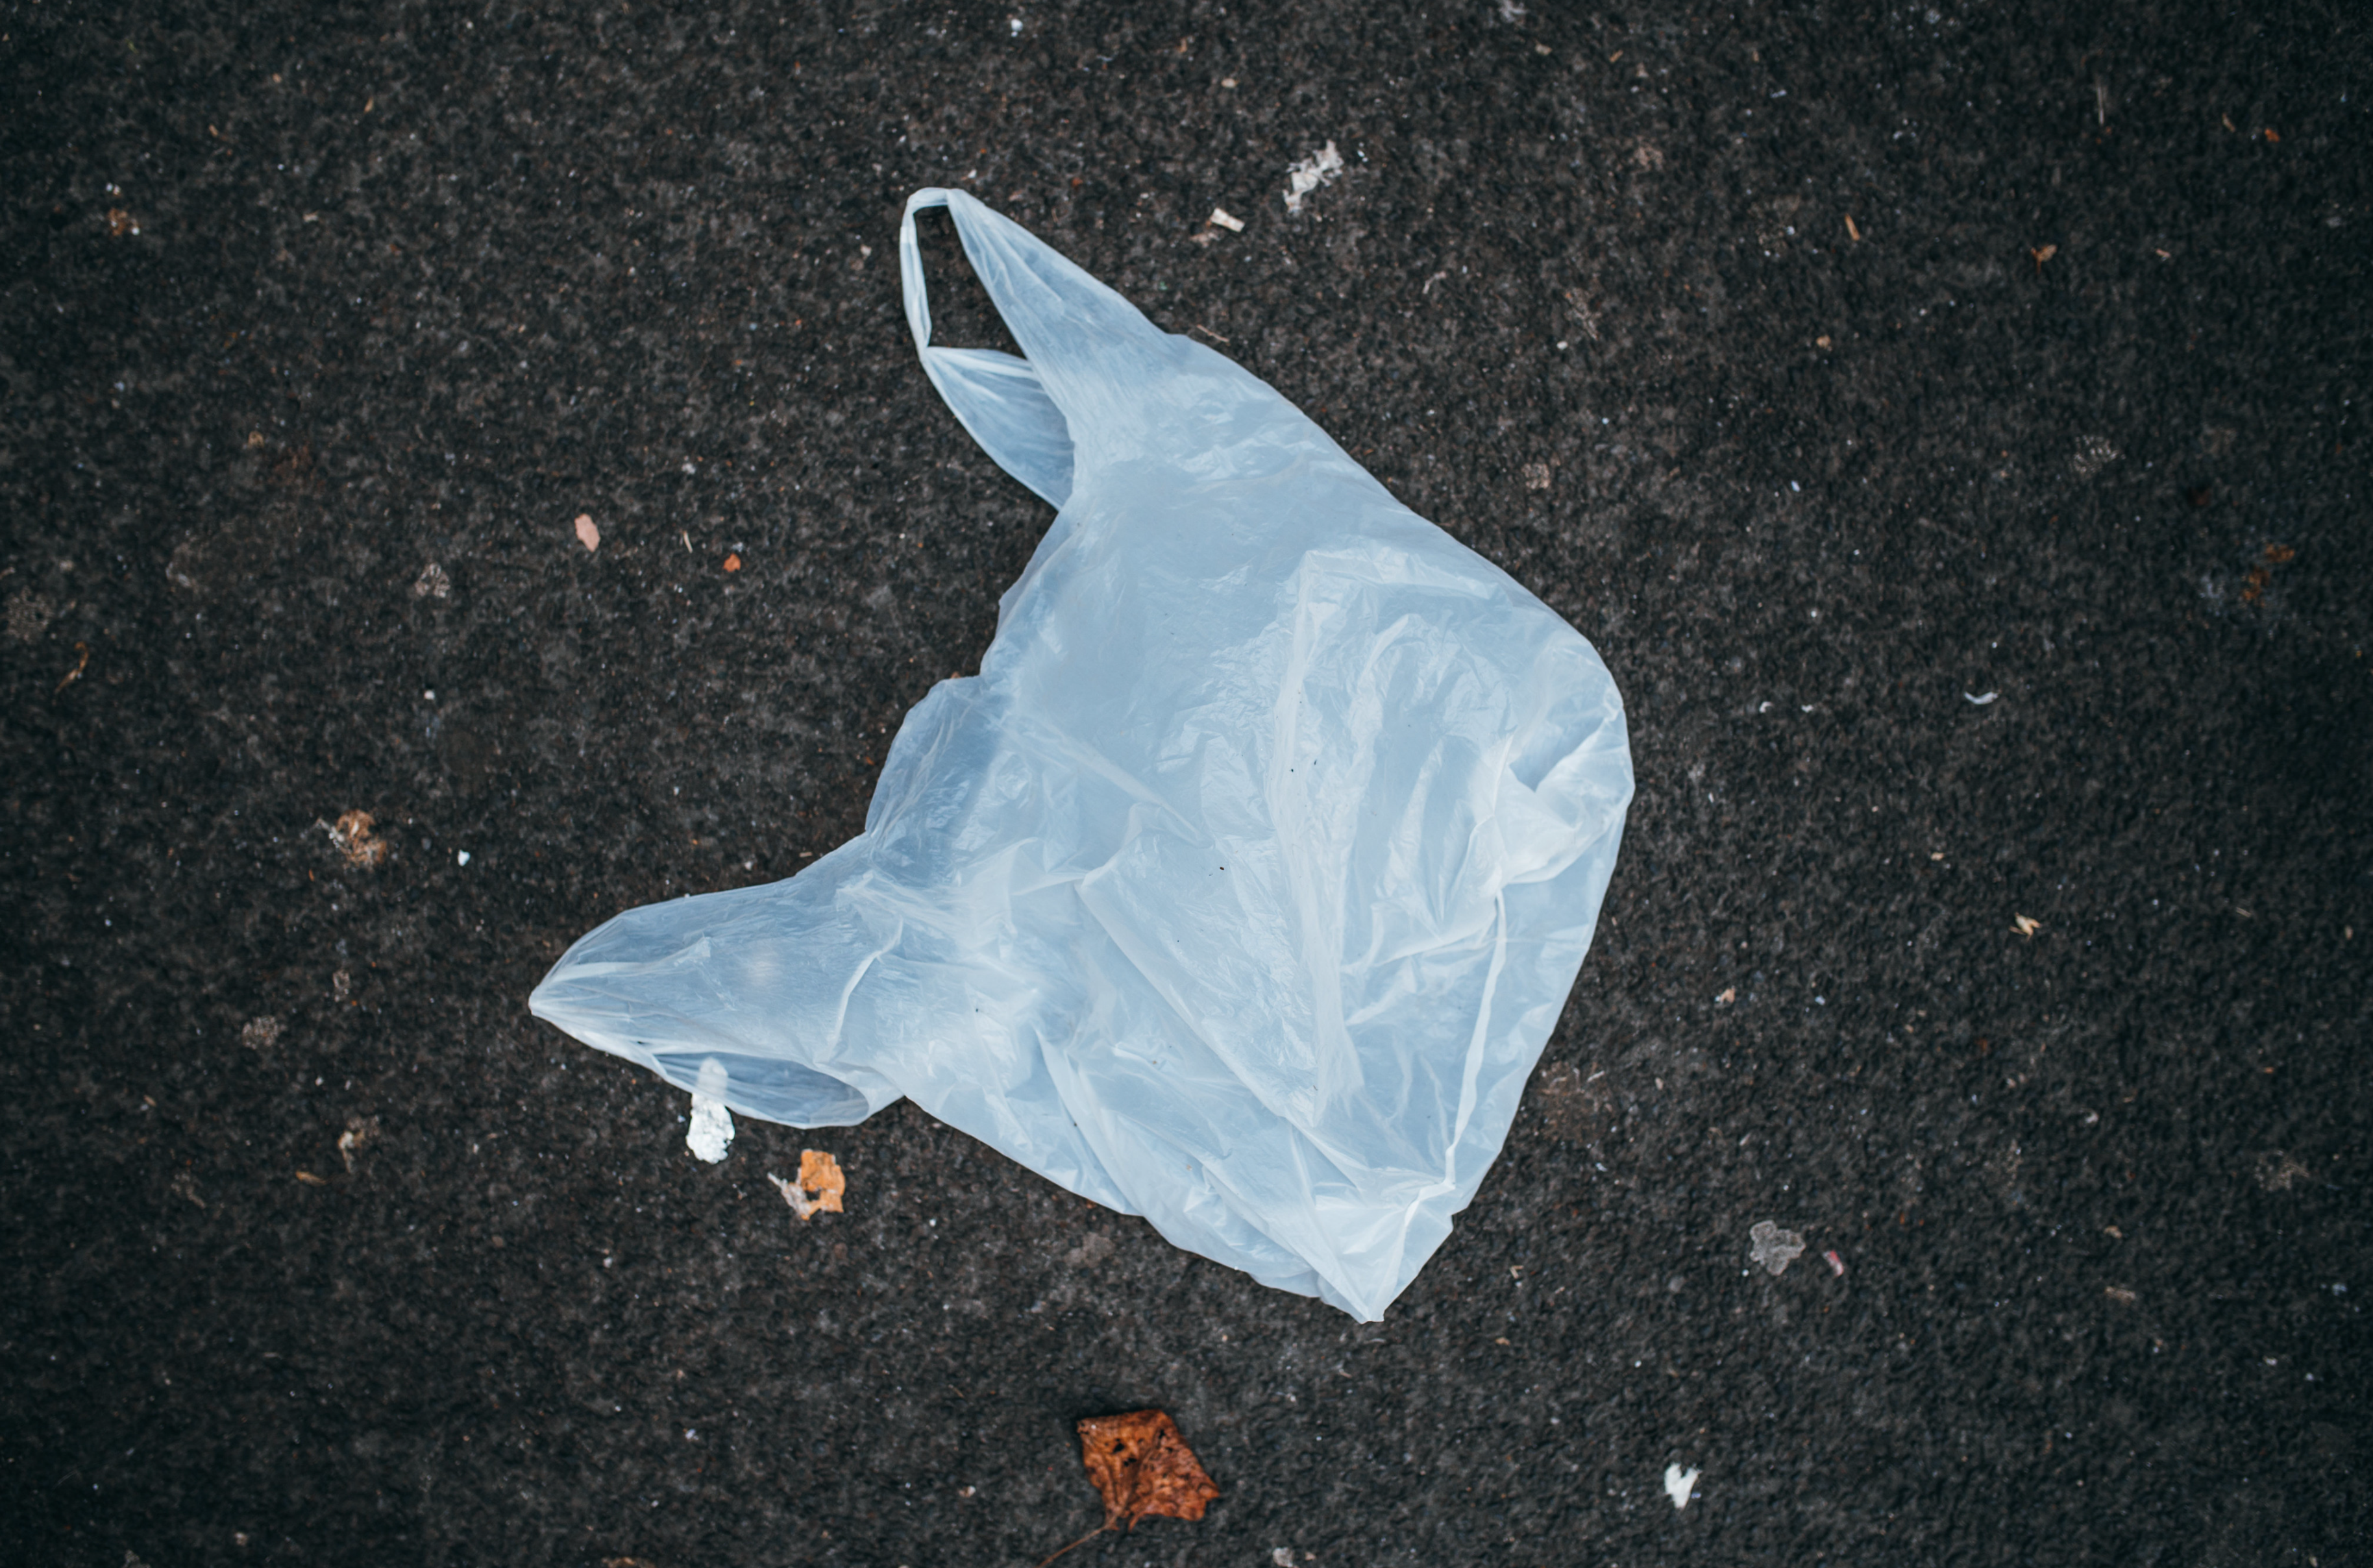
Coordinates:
[734,563]
[1141,1465]
[352,833]
[820,1175]
[1142,1468]
[2026,927]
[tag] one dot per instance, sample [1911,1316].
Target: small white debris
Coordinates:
[1015,23]
[1980,701]
[462,856]
[1678,1484]
[1223,218]
[1320,168]
[793,1195]
[432,583]
[2093,454]
[1774,1249]
[711,1132]
[360,1131]
[1282,1555]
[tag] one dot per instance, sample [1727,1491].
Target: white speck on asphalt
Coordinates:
[1775,1248]
[1319,169]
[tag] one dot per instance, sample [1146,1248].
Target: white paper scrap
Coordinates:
[1319,169]
[711,1132]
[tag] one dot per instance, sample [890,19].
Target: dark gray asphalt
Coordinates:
[2007,562]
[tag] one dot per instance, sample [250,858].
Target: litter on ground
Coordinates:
[1678,1484]
[1774,1249]
[820,1173]
[711,1132]
[1141,1468]
[360,1131]
[352,833]
[1320,168]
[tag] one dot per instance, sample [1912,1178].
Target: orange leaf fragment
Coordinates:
[587,534]
[734,563]
[1141,1465]
[820,1173]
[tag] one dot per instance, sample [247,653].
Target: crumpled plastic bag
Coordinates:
[1242,887]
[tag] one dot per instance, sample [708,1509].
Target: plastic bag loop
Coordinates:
[997,398]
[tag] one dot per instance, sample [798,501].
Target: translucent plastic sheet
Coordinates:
[1243,885]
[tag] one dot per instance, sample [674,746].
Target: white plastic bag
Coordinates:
[1243,885]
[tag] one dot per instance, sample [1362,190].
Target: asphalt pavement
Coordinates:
[1942,417]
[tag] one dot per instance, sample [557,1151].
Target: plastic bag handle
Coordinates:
[911,266]
[998,398]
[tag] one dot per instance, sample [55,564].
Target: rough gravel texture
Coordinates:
[2006,564]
